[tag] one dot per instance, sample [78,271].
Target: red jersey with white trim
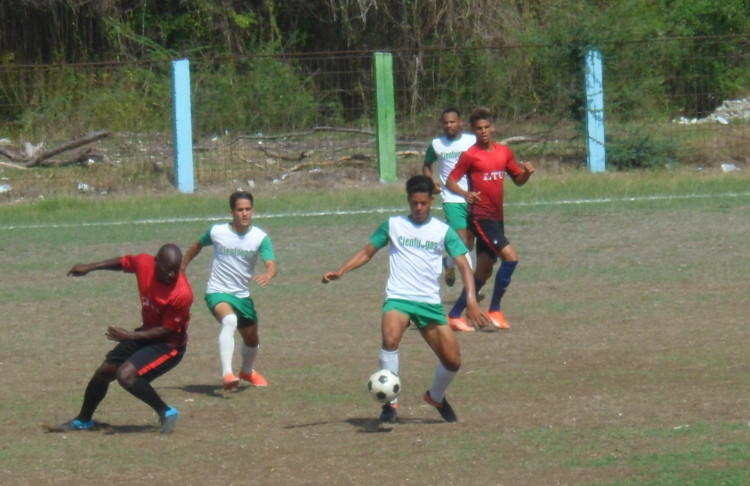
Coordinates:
[161,304]
[486,170]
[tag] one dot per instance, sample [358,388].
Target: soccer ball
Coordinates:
[384,386]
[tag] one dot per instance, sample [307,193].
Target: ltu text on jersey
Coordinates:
[417,243]
[493,176]
[237,252]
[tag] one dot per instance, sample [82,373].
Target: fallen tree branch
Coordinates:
[285,156]
[327,163]
[306,133]
[85,157]
[86,139]
[14,166]
[11,154]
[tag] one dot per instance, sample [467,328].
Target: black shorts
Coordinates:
[151,359]
[490,236]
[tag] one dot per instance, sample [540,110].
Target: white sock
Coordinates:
[389,361]
[226,342]
[248,357]
[443,378]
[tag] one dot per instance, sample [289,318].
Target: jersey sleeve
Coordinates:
[454,245]
[205,239]
[380,237]
[128,263]
[430,156]
[266,250]
[461,168]
[512,166]
[131,263]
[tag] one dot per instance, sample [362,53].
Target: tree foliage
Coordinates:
[67,31]
[448,51]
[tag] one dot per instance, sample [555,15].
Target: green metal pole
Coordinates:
[386,117]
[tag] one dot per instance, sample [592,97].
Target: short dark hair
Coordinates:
[481,113]
[420,183]
[236,195]
[450,109]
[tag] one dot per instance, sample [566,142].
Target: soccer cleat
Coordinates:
[446,411]
[389,414]
[76,424]
[497,319]
[254,378]
[168,420]
[459,324]
[230,381]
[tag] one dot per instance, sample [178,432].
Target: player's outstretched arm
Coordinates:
[191,253]
[473,312]
[355,261]
[81,269]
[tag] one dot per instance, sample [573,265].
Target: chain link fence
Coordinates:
[273,119]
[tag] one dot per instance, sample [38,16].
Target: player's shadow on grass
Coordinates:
[105,428]
[370,425]
[130,429]
[214,391]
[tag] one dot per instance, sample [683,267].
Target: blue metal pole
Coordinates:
[595,141]
[183,126]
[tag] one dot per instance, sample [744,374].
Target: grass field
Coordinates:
[626,363]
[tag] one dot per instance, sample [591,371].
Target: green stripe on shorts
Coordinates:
[420,313]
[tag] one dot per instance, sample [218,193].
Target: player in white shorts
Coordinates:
[237,246]
[417,243]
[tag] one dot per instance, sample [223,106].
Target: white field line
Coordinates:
[345,212]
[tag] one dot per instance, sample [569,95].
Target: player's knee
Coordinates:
[509,254]
[390,344]
[106,373]
[453,363]
[482,274]
[126,375]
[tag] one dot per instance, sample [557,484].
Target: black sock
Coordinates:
[95,393]
[142,390]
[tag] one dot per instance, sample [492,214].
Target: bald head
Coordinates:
[168,261]
[170,253]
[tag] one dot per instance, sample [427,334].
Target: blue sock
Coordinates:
[502,280]
[460,305]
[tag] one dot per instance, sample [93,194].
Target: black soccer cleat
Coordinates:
[388,414]
[446,411]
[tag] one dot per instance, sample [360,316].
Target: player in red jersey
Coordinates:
[486,163]
[156,347]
